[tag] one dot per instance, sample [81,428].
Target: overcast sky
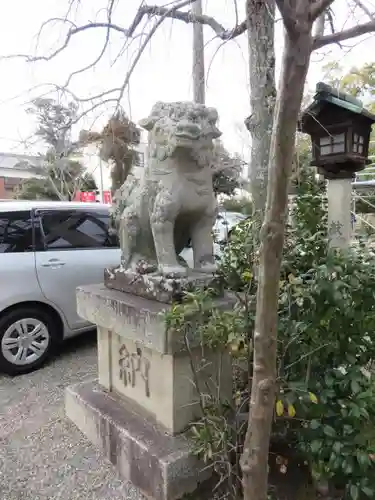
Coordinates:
[163,73]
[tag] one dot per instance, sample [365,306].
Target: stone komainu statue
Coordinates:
[174,200]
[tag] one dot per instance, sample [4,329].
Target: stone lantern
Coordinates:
[340,131]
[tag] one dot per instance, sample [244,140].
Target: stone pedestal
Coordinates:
[154,286]
[146,395]
[339,194]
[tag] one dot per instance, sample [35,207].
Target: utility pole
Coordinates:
[199,81]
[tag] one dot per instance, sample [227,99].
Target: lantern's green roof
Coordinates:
[326,93]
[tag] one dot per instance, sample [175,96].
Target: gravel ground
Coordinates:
[42,454]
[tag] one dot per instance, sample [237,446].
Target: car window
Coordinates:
[225,223]
[16,232]
[76,229]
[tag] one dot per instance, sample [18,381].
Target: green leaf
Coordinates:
[368,491]
[364,413]
[338,463]
[337,446]
[354,492]
[348,468]
[279,408]
[246,276]
[329,431]
[315,446]
[315,424]
[291,397]
[355,411]
[291,411]
[348,429]
[351,359]
[355,387]
[313,398]
[363,458]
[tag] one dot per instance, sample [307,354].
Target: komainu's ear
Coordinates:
[148,123]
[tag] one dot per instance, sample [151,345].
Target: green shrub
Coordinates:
[326,404]
[326,325]
[325,407]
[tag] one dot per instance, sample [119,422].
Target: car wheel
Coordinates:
[27,338]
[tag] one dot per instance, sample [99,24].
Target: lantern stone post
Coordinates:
[339,195]
[340,130]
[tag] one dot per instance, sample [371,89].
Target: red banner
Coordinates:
[107,197]
[92,197]
[88,196]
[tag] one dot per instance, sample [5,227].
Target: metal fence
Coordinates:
[365,179]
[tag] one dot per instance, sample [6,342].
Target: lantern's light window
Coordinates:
[332,144]
[358,141]
[325,141]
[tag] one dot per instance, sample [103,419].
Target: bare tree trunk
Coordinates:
[254,460]
[59,193]
[260,19]
[199,83]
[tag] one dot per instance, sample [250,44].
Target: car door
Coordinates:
[18,280]
[75,248]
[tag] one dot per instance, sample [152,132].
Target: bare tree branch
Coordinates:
[125,46]
[236,11]
[51,21]
[367,11]
[115,95]
[59,88]
[362,29]
[70,34]
[329,14]
[318,7]
[87,99]
[144,10]
[106,43]
[189,17]
[146,41]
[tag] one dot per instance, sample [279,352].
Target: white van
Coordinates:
[47,249]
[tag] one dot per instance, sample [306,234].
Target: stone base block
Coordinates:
[160,465]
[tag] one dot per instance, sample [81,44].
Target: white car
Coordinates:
[224,224]
[47,250]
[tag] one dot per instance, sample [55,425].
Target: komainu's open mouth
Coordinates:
[187,135]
